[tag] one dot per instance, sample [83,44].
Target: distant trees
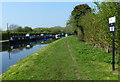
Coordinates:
[19,29]
[12,27]
[16,28]
[22,31]
[42,30]
[27,29]
[58,29]
[53,30]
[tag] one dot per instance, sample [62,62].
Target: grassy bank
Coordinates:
[4,40]
[64,59]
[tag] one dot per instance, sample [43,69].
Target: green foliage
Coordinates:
[4,36]
[42,30]
[23,31]
[77,13]
[58,29]
[99,24]
[19,29]
[75,19]
[64,59]
[96,25]
[80,10]
[53,30]
[16,28]
[27,29]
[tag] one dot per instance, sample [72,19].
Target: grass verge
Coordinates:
[64,59]
[4,40]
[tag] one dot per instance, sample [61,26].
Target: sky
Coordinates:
[53,0]
[37,14]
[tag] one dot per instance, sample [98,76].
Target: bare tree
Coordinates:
[12,27]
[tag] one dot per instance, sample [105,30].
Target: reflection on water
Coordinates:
[13,53]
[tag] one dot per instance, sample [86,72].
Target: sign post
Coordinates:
[112,21]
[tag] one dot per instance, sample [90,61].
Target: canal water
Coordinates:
[10,55]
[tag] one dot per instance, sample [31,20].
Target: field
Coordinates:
[65,59]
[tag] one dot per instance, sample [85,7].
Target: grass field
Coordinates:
[64,59]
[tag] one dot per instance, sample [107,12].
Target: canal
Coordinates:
[11,54]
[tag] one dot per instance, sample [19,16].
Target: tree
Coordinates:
[96,25]
[12,27]
[107,10]
[76,15]
[57,29]
[19,29]
[27,29]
